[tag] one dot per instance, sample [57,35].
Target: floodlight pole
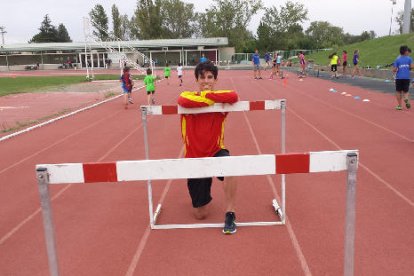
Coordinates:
[2,32]
[407,17]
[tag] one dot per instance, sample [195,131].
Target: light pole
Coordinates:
[392,14]
[2,32]
[407,17]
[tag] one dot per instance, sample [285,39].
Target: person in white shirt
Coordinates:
[180,72]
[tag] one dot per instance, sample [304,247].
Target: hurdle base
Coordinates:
[157,212]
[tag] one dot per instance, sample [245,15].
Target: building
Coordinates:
[113,53]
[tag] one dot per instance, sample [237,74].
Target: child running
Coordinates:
[167,72]
[256,65]
[355,60]
[126,85]
[203,136]
[402,66]
[149,82]
[180,73]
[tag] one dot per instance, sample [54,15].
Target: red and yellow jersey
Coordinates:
[203,134]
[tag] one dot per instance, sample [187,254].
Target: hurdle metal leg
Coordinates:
[42,180]
[282,214]
[144,112]
[352,164]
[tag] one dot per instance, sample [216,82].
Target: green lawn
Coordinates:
[380,51]
[35,84]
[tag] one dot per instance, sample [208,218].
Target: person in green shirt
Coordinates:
[167,72]
[149,82]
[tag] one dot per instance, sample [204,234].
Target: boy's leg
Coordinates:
[200,192]
[398,96]
[230,190]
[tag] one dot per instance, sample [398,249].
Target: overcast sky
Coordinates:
[22,18]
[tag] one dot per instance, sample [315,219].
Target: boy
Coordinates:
[203,136]
[180,73]
[302,62]
[126,85]
[402,66]
[149,82]
[344,61]
[256,65]
[355,61]
[167,72]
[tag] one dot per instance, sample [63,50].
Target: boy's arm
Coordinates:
[189,99]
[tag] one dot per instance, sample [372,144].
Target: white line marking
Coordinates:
[296,245]
[60,117]
[388,185]
[145,237]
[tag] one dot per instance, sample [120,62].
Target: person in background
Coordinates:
[180,73]
[126,84]
[302,62]
[203,58]
[256,65]
[149,82]
[355,61]
[334,64]
[267,60]
[402,66]
[344,61]
[167,72]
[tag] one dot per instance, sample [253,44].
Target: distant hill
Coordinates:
[380,51]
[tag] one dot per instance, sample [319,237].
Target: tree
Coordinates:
[400,20]
[178,19]
[325,35]
[48,32]
[116,22]
[146,22]
[284,24]
[229,19]
[62,34]
[99,22]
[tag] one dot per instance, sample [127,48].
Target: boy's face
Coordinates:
[206,81]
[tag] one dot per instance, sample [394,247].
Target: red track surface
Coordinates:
[102,229]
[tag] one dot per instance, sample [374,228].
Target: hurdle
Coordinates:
[264,164]
[278,104]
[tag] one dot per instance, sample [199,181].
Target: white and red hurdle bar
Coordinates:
[278,104]
[264,164]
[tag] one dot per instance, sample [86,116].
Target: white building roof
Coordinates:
[156,43]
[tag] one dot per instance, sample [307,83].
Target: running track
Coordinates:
[102,229]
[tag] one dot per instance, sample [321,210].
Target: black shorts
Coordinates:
[402,85]
[334,67]
[345,63]
[150,92]
[200,188]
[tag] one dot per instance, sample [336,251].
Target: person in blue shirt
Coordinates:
[203,58]
[256,65]
[355,61]
[402,66]
[267,60]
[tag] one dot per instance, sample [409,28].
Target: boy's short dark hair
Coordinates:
[203,67]
[126,69]
[403,49]
[149,71]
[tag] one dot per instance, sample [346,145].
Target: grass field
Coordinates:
[376,52]
[34,84]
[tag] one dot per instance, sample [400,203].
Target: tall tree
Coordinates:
[116,22]
[125,28]
[62,34]
[48,32]
[147,22]
[99,22]
[325,35]
[178,19]
[284,24]
[229,18]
